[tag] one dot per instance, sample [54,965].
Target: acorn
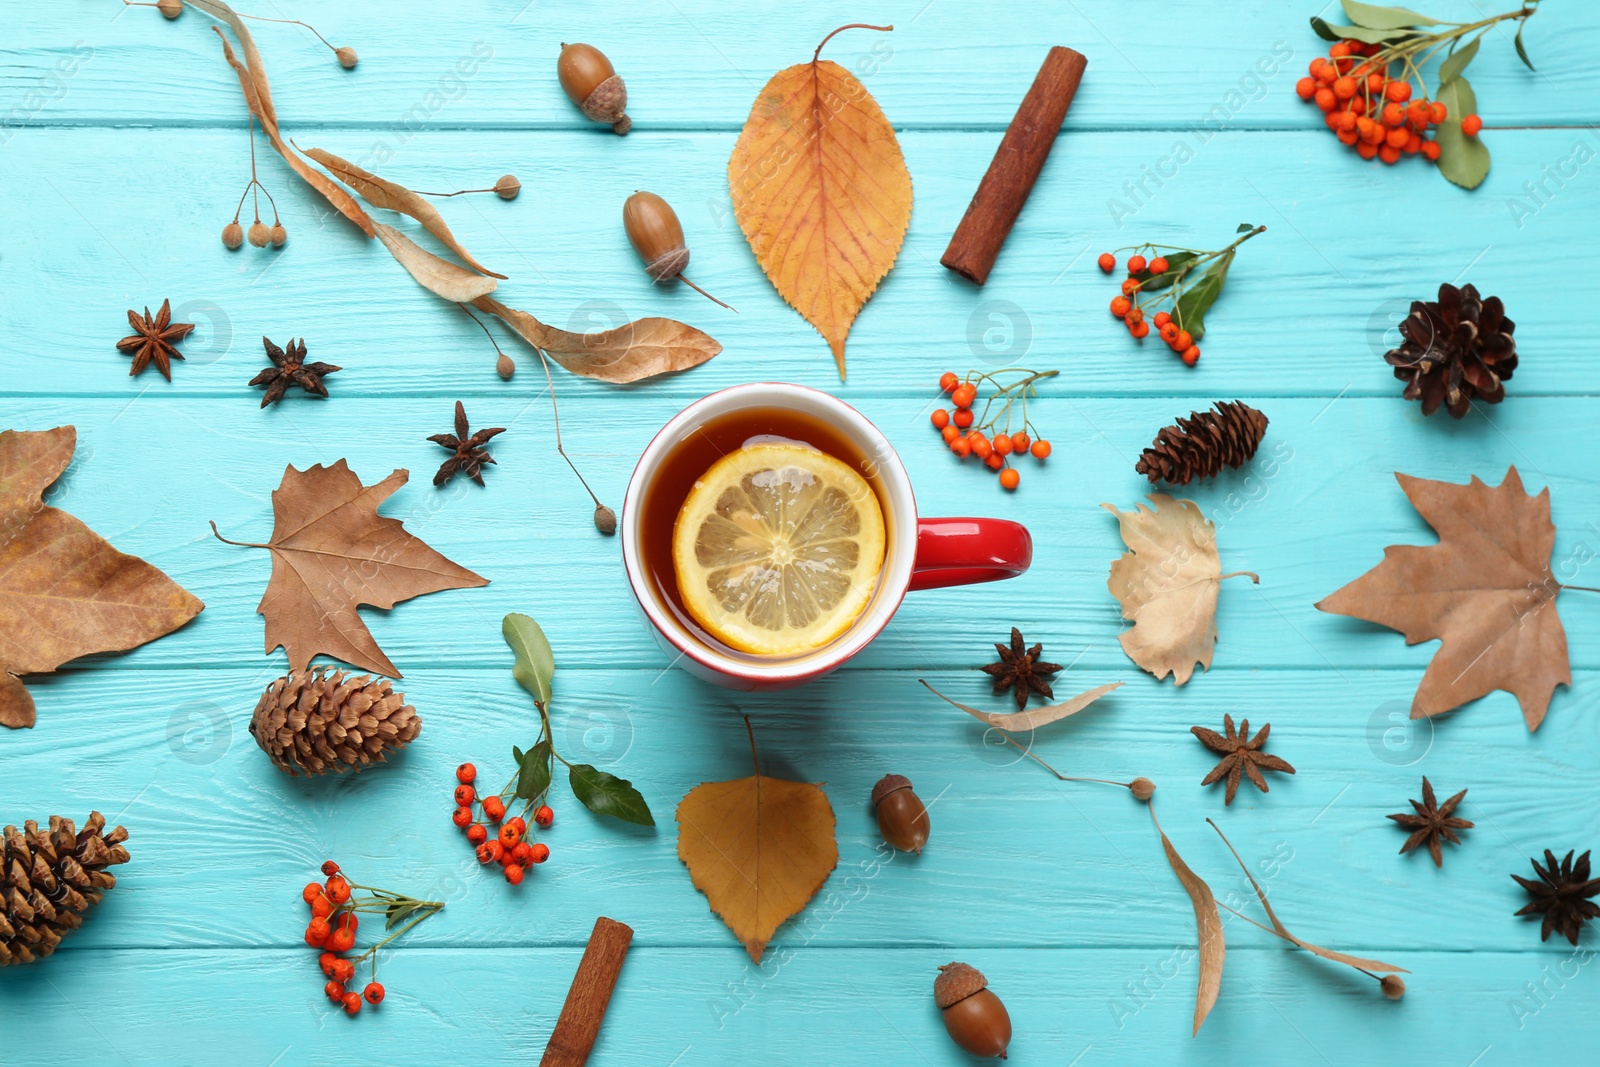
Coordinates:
[902,819]
[657,235]
[591,83]
[233,234]
[973,1016]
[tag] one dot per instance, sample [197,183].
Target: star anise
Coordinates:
[1562,893]
[290,368]
[153,339]
[470,455]
[1021,671]
[1242,755]
[1432,822]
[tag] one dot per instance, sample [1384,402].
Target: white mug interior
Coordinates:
[886,474]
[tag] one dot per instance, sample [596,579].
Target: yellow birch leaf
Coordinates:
[759,848]
[821,191]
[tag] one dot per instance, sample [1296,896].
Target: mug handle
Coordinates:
[967,551]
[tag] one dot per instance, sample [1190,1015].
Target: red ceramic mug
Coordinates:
[919,554]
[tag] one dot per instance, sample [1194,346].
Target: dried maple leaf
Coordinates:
[1167,584]
[759,848]
[331,553]
[821,191]
[1485,592]
[64,591]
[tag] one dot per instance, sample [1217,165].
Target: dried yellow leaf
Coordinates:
[759,848]
[440,276]
[821,191]
[1167,584]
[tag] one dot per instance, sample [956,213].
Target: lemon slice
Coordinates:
[778,548]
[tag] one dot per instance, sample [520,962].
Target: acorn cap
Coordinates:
[957,982]
[888,784]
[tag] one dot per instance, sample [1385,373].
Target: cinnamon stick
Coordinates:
[1015,167]
[579,1025]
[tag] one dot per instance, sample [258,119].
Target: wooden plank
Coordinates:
[1314,510]
[1308,311]
[167,753]
[708,1006]
[698,64]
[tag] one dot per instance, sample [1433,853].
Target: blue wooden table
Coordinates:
[122,153]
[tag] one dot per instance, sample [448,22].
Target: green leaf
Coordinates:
[1244,227]
[1522,53]
[1190,314]
[1457,61]
[606,794]
[1463,160]
[1154,283]
[533,771]
[1384,18]
[536,664]
[1365,34]
[396,914]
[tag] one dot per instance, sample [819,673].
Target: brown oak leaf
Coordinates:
[331,553]
[759,848]
[1485,592]
[64,591]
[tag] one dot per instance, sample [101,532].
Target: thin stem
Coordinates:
[556,412]
[292,22]
[1580,588]
[458,192]
[751,730]
[849,26]
[479,321]
[707,295]
[1252,575]
[241,544]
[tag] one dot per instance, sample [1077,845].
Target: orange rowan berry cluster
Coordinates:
[333,928]
[1125,308]
[507,846]
[990,437]
[1371,112]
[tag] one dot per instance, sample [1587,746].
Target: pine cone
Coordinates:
[1455,349]
[48,880]
[1201,445]
[319,721]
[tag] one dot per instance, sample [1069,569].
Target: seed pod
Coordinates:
[590,82]
[505,367]
[902,818]
[605,520]
[233,234]
[170,8]
[259,234]
[1142,788]
[347,57]
[657,235]
[1393,986]
[507,187]
[973,1016]
[279,236]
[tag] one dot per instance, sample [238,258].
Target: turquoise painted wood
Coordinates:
[121,153]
